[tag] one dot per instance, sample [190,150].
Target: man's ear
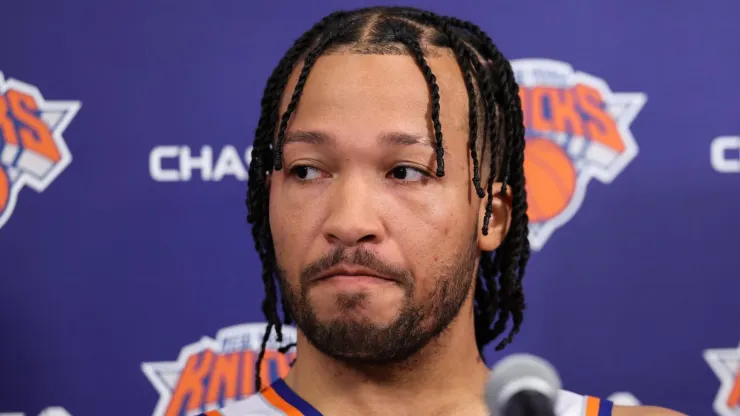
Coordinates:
[499,222]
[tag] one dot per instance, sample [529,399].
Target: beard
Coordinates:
[362,341]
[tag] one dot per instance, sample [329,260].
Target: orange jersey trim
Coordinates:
[592,406]
[274,399]
[598,407]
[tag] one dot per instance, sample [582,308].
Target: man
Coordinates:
[387,197]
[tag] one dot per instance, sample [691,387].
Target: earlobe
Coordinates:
[499,222]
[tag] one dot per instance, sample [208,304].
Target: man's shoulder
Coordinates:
[254,405]
[567,404]
[644,411]
[573,404]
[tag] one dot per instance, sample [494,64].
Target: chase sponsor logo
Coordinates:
[185,163]
[724,154]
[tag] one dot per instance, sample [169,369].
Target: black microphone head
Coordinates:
[518,373]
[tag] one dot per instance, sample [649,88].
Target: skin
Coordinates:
[351,197]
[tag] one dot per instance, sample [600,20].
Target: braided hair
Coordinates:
[495,118]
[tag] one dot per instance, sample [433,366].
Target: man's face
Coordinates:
[376,253]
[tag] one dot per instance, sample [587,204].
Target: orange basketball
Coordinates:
[551,179]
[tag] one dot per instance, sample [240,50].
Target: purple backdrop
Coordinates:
[128,281]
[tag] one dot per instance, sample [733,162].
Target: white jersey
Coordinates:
[280,400]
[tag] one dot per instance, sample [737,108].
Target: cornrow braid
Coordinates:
[510,92]
[302,78]
[468,58]
[426,70]
[464,59]
[495,122]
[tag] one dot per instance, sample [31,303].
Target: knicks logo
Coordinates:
[725,362]
[211,373]
[577,129]
[32,150]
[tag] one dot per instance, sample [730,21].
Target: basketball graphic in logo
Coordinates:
[551,179]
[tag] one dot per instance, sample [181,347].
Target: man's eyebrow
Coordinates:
[397,138]
[309,137]
[391,138]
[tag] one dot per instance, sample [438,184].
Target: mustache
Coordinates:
[360,257]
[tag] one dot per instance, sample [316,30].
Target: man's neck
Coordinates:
[447,377]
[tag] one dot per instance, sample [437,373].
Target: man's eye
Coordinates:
[407,173]
[305,173]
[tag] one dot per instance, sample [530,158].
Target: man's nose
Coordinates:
[354,218]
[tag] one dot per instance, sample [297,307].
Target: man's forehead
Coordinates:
[388,91]
[336,72]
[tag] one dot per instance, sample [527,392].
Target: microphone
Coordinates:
[522,385]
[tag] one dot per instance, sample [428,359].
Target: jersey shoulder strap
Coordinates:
[572,404]
[276,400]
